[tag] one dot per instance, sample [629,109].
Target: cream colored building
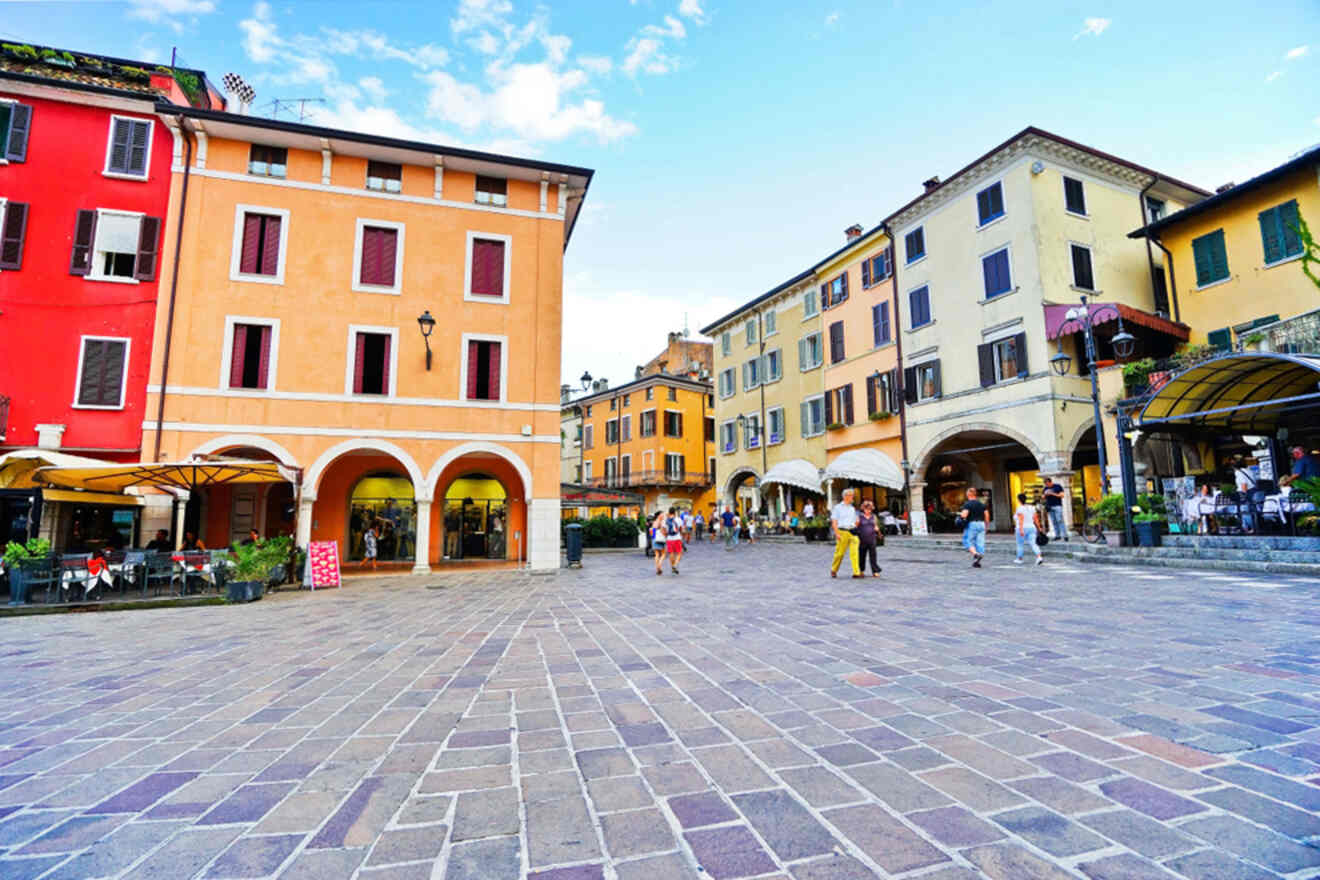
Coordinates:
[769,363]
[980,259]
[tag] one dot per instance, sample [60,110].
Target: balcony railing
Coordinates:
[694,479]
[1297,335]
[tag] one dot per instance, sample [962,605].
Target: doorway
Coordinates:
[476,518]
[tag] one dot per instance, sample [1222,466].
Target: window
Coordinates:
[114,246]
[1211,258]
[1280,232]
[586,470]
[922,382]
[995,270]
[611,472]
[836,342]
[15,122]
[771,323]
[990,203]
[650,393]
[673,423]
[1003,359]
[268,161]
[102,373]
[129,150]
[625,426]
[588,410]
[919,306]
[625,468]
[877,269]
[810,305]
[492,191]
[726,383]
[728,437]
[1221,338]
[710,429]
[834,292]
[488,260]
[773,368]
[880,328]
[614,404]
[378,257]
[648,423]
[589,437]
[1081,265]
[810,352]
[611,432]
[251,346]
[384,176]
[839,406]
[726,343]
[752,431]
[813,416]
[371,368]
[260,239]
[13,230]
[882,393]
[775,422]
[673,392]
[750,330]
[915,243]
[1074,196]
[485,368]
[1154,209]
[751,373]
[675,466]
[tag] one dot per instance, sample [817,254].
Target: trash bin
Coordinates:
[573,544]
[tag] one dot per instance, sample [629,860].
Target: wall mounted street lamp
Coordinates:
[426,323]
[586,381]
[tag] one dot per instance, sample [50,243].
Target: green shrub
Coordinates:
[625,527]
[34,548]
[1136,375]
[598,531]
[253,562]
[1109,510]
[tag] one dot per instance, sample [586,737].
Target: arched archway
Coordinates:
[231,443]
[998,462]
[486,527]
[742,490]
[220,515]
[312,479]
[361,484]
[475,517]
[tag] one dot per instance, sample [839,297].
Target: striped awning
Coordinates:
[1058,323]
[1249,393]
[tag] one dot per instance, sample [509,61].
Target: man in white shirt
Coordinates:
[808,510]
[843,522]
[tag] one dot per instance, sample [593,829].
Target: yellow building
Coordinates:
[1236,255]
[653,436]
[769,371]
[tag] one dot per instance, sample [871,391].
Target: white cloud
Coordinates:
[1273,76]
[692,9]
[374,87]
[1317,120]
[1295,54]
[1093,27]
[259,34]
[646,55]
[168,10]
[600,64]
[374,45]
[648,52]
[831,19]
[672,28]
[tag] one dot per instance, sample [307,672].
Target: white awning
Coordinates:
[866,466]
[795,472]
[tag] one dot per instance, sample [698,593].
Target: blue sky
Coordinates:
[734,142]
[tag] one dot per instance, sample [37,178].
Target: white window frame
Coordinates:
[588,436]
[611,479]
[769,423]
[726,343]
[755,364]
[351,352]
[918,367]
[994,352]
[820,349]
[626,457]
[359,231]
[663,427]
[655,423]
[925,248]
[807,401]
[504,368]
[236,255]
[93,270]
[993,220]
[752,433]
[615,423]
[766,377]
[1012,281]
[771,323]
[227,354]
[109,144]
[1086,203]
[468,295]
[674,474]
[123,379]
[1072,268]
[732,373]
[810,303]
[586,470]
[625,420]
[732,425]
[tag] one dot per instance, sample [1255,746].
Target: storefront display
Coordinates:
[383,502]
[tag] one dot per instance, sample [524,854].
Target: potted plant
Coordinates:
[1147,527]
[835,426]
[1136,376]
[15,555]
[1253,341]
[881,415]
[253,565]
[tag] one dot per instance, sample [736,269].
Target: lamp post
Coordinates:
[1123,343]
[426,323]
[581,412]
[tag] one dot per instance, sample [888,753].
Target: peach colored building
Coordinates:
[384,315]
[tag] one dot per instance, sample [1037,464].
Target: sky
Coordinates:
[733,142]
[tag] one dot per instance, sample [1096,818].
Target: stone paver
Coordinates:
[753,719]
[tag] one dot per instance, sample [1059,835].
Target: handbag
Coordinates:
[1042,539]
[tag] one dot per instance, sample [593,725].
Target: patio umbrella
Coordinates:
[198,473]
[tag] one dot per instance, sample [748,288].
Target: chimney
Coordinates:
[852,233]
[637,373]
[565,393]
[1225,188]
[931,183]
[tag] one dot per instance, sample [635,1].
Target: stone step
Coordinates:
[1249,553]
[1244,542]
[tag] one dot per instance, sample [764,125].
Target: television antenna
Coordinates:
[292,106]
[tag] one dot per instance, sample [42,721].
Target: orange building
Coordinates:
[654,436]
[863,397]
[383,315]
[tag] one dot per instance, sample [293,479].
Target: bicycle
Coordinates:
[1092,530]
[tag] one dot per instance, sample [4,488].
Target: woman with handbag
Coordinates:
[1027,521]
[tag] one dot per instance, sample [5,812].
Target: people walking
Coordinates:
[751,528]
[685,525]
[659,540]
[371,538]
[1026,520]
[698,526]
[868,536]
[843,522]
[808,510]
[729,525]
[1053,494]
[975,516]
[674,539]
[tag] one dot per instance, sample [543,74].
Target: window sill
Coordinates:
[478,401]
[373,288]
[469,296]
[367,395]
[112,279]
[118,408]
[991,222]
[1214,283]
[920,327]
[998,296]
[1075,214]
[807,316]
[890,344]
[1282,262]
[809,369]
[257,279]
[119,175]
[910,263]
[1093,291]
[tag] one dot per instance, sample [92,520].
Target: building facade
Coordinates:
[383,315]
[984,263]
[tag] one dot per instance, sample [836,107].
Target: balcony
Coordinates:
[691,479]
[1297,335]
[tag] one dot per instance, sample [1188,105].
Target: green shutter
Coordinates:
[1271,235]
[1211,258]
[1218,255]
[1290,227]
[1220,338]
[1201,254]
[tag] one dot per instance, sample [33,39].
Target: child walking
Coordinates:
[370,538]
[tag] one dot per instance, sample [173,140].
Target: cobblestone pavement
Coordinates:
[751,718]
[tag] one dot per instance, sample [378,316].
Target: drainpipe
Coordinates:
[174,287]
[899,392]
[1150,256]
[1173,280]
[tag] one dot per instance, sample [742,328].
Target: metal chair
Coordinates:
[219,570]
[134,564]
[158,571]
[1227,513]
[74,575]
[40,572]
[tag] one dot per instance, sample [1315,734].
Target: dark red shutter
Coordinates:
[847,404]
[385,364]
[844,294]
[389,248]
[13,227]
[493,388]
[263,368]
[359,356]
[871,408]
[247,262]
[488,267]
[985,355]
[474,359]
[20,123]
[148,245]
[370,270]
[84,232]
[237,356]
[829,408]
[270,250]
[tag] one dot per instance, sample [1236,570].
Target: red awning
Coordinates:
[1057,322]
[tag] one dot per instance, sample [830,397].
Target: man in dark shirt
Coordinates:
[161,543]
[976,517]
[1304,466]
[1053,495]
